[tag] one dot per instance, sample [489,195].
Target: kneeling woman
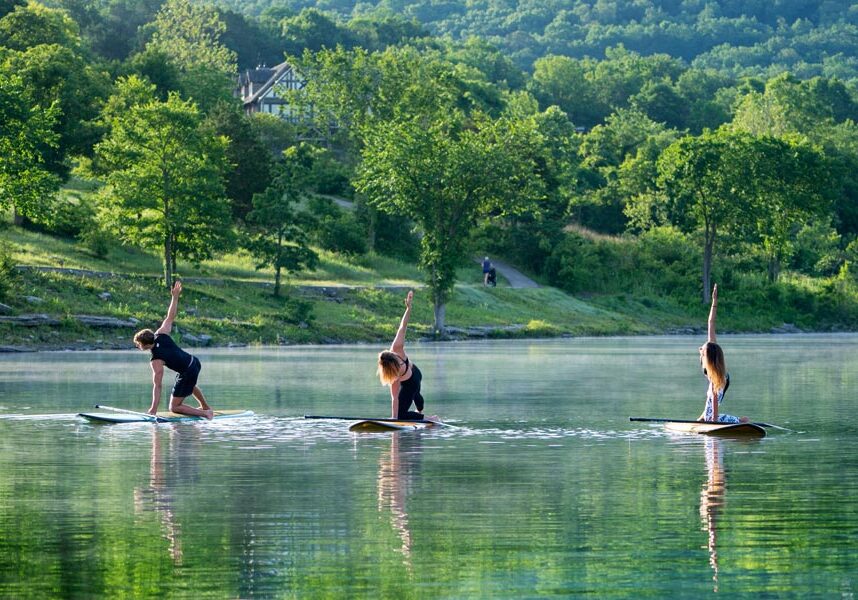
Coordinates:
[403,376]
[715,370]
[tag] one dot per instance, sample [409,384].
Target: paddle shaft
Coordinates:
[148,417]
[649,420]
[369,419]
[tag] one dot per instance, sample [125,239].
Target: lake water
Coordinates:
[544,488]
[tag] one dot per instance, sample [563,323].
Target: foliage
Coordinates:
[251,171]
[278,232]
[8,273]
[444,174]
[163,177]
[26,136]
[190,34]
[336,229]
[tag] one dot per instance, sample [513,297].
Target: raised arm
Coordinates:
[398,345]
[712,312]
[167,325]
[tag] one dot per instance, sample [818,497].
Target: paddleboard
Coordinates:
[169,417]
[719,429]
[371,426]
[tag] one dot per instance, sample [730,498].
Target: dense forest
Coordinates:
[739,38]
[643,148]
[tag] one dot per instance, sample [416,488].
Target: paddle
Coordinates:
[651,420]
[147,416]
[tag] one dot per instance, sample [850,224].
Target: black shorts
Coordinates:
[186,380]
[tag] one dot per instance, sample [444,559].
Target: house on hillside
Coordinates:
[258,90]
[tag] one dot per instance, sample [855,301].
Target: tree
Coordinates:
[279,237]
[190,34]
[164,180]
[250,159]
[703,178]
[34,25]
[25,135]
[58,74]
[445,172]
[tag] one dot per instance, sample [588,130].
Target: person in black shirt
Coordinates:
[165,353]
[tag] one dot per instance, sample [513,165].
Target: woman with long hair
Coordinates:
[715,370]
[402,375]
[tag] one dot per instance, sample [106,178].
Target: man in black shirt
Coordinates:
[165,352]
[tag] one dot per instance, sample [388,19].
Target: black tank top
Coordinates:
[174,357]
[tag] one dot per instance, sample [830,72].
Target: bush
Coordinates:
[69,216]
[336,229]
[817,249]
[96,241]
[8,273]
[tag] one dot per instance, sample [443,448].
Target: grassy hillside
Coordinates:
[343,301]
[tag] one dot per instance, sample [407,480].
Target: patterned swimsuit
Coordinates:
[709,411]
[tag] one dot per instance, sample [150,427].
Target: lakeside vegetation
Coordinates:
[628,176]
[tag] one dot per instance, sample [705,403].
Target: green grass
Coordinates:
[234,303]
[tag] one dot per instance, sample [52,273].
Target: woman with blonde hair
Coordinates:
[715,370]
[403,376]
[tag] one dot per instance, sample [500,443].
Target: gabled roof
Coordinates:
[277,73]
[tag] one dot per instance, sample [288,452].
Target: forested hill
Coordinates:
[740,37]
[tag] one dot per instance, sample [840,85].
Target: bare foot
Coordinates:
[434,418]
[743,419]
[209,414]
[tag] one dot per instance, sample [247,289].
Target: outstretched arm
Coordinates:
[167,325]
[398,345]
[712,312]
[157,377]
[394,399]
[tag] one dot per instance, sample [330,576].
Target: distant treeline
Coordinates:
[761,37]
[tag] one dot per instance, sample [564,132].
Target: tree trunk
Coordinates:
[277,263]
[708,245]
[370,237]
[17,218]
[440,313]
[277,281]
[774,269]
[168,260]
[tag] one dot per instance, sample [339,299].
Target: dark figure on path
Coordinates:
[492,278]
[487,267]
[165,352]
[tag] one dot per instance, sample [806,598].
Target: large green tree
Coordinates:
[26,133]
[278,231]
[703,178]
[758,188]
[164,179]
[444,172]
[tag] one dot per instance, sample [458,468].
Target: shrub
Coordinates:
[96,241]
[8,274]
[68,217]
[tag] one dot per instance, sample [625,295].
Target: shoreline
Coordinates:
[95,346]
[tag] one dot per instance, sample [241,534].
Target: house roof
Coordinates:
[275,74]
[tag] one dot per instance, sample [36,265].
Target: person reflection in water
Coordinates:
[712,500]
[158,497]
[395,475]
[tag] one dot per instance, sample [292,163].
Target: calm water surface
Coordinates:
[543,488]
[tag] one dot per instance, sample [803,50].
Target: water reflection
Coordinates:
[712,499]
[169,464]
[397,469]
